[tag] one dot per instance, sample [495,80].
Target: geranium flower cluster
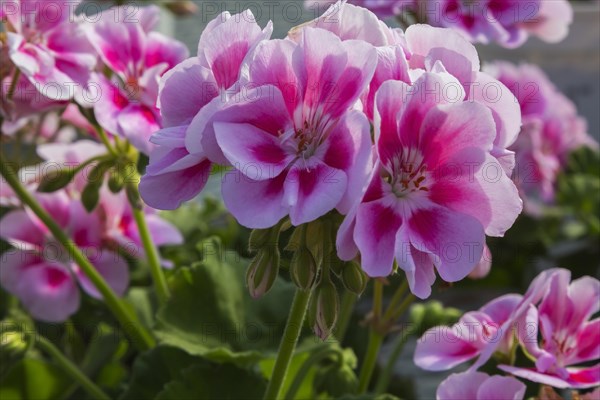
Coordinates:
[553,324]
[506,22]
[38,270]
[292,119]
[58,57]
[551,130]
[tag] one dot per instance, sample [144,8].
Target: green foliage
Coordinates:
[33,379]
[211,314]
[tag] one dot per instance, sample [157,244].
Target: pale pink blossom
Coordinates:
[138,57]
[442,347]
[569,335]
[551,130]
[424,207]
[297,145]
[480,386]
[46,43]
[179,166]
[484,266]
[38,270]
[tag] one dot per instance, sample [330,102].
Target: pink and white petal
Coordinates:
[163,49]
[163,232]
[111,102]
[311,191]
[391,65]
[417,265]
[483,266]
[389,101]
[429,90]
[255,204]
[76,152]
[137,123]
[479,187]
[502,307]
[264,107]
[456,239]
[422,39]
[348,148]
[21,231]
[585,295]
[188,80]
[344,242]
[167,190]
[501,388]
[588,343]
[442,348]
[552,21]
[14,263]
[48,292]
[505,108]
[448,130]
[375,237]
[580,378]
[252,151]
[225,47]
[111,266]
[271,63]
[461,386]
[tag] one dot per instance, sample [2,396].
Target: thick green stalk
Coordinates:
[141,337]
[348,301]
[288,344]
[383,380]
[71,369]
[158,276]
[370,360]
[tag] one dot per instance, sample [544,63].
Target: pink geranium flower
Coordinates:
[179,167]
[424,207]
[480,386]
[569,336]
[38,271]
[442,348]
[403,57]
[138,57]
[551,130]
[298,147]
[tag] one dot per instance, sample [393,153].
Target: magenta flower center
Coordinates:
[408,174]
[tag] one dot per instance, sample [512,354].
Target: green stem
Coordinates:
[71,369]
[288,344]
[368,365]
[104,139]
[384,378]
[377,299]
[305,369]
[403,307]
[141,337]
[395,299]
[158,276]
[348,301]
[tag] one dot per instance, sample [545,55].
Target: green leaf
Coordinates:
[154,369]
[205,381]
[33,379]
[56,181]
[211,314]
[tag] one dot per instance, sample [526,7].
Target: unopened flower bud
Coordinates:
[303,269]
[182,8]
[335,264]
[262,271]
[353,278]
[326,308]
[259,238]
